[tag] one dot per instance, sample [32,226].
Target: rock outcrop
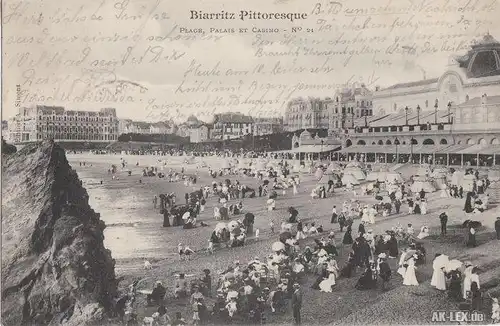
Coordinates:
[55,268]
[8,148]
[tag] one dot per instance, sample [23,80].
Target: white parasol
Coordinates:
[453,265]
[233,225]
[220,226]
[409,253]
[277,246]
[349,179]
[440,262]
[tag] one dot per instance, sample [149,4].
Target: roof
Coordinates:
[399,119]
[414,83]
[424,149]
[312,149]
[477,100]
[233,118]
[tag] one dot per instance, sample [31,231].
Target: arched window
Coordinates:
[482,141]
[361,142]
[381,142]
[470,141]
[495,141]
[428,141]
[348,143]
[443,142]
[388,142]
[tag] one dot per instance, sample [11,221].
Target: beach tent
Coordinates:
[380,176]
[494,175]
[422,182]
[494,192]
[356,172]
[349,179]
[333,167]
[439,173]
[393,178]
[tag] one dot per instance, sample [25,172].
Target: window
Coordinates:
[426,103]
[484,64]
[395,107]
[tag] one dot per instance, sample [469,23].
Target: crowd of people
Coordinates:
[246,292]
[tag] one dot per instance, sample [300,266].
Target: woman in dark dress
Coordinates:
[348,236]
[361,228]
[342,221]
[392,246]
[471,237]
[468,203]
[349,267]
[455,288]
[380,246]
[366,280]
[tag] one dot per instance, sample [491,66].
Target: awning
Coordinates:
[424,149]
[312,149]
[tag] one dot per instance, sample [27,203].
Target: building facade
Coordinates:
[127,126]
[334,113]
[475,122]
[42,122]
[471,75]
[199,134]
[267,126]
[231,126]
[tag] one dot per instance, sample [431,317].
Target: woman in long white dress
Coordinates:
[410,278]
[326,285]
[469,277]
[438,279]
[423,207]
[424,232]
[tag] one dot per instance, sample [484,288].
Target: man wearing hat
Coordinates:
[296,303]
[497,227]
[156,297]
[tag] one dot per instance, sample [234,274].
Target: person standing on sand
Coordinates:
[155,201]
[497,227]
[443,218]
[186,197]
[296,303]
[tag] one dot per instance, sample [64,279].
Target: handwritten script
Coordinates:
[150,61]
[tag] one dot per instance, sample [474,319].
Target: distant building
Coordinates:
[128,126]
[199,134]
[183,130]
[232,126]
[307,113]
[41,122]
[329,113]
[267,126]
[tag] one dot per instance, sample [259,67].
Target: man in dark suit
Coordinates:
[296,303]
[497,227]
[443,218]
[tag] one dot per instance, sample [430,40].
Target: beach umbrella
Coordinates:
[319,174]
[440,262]
[277,246]
[285,236]
[453,265]
[220,226]
[409,253]
[233,225]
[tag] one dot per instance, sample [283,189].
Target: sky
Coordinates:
[151,61]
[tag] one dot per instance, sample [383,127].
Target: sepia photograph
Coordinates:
[231,162]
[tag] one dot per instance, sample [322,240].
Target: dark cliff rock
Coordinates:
[8,148]
[54,265]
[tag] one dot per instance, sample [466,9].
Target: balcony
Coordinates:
[441,128]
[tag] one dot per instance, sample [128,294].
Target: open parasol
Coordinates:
[440,262]
[277,246]
[233,225]
[409,253]
[453,265]
[220,226]
[285,236]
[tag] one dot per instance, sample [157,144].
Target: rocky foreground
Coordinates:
[55,267]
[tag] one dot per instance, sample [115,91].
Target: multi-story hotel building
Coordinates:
[231,126]
[54,122]
[334,113]
[267,126]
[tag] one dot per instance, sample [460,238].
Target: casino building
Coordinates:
[41,122]
[453,119]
